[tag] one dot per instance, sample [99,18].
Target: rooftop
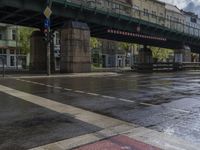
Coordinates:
[172,8]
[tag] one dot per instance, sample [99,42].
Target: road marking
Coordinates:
[57,87]
[180,110]
[109,97]
[41,84]
[110,126]
[93,94]
[126,100]
[77,91]
[66,89]
[103,96]
[49,86]
[147,104]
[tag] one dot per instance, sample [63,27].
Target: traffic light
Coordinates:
[46,35]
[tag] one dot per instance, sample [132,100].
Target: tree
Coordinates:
[161,54]
[95,43]
[24,39]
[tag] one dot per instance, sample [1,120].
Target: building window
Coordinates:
[5,60]
[194,20]
[153,14]
[2,51]
[146,12]
[12,51]
[14,35]
[12,61]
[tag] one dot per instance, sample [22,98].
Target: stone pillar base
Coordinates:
[38,52]
[75,48]
[182,55]
[145,59]
[76,68]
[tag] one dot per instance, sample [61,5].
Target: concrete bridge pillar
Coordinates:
[145,59]
[38,52]
[75,48]
[182,55]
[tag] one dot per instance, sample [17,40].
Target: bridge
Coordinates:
[102,23]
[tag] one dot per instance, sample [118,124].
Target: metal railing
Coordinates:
[167,66]
[125,10]
[3,66]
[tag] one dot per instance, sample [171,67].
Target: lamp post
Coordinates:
[3,63]
[47,25]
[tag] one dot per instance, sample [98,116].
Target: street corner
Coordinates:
[119,142]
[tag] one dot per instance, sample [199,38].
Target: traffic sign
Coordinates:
[47,12]
[47,23]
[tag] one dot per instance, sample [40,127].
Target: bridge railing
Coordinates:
[122,9]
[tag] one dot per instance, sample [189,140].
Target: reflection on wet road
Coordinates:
[166,102]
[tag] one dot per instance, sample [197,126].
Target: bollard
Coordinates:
[3,60]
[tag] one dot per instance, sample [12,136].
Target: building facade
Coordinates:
[117,6]
[149,10]
[112,54]
[9,48]
[191,20]
[175,19]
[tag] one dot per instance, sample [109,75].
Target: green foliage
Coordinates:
[95,43]
[161,54]
[126,46]
[24,39]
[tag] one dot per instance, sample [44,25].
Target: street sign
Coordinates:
[47,23]
[47,12]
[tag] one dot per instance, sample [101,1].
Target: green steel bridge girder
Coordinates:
[30,13]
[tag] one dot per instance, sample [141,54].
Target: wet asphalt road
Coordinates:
[24,125]
[166,102]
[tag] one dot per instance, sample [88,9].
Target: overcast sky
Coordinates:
[189,5]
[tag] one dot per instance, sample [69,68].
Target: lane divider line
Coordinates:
[93,94]
[77,91]
[99,95]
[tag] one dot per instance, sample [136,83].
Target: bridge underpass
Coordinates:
[102,24]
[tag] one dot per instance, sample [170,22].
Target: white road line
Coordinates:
[77,91]
[66,89]
[109,97]
[126,100]
[147,104]
[110,126]
[41,84]
[57,87]
[93,94]
[180,110]
[49,86]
